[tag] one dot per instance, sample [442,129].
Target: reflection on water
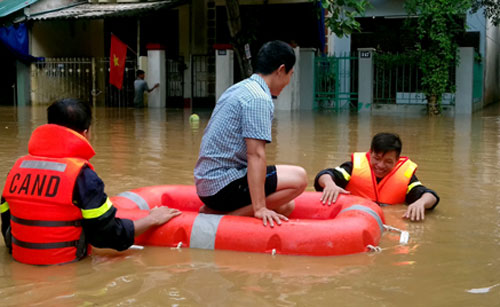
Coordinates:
[451,259]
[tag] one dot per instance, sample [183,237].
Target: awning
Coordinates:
[99,11]
[8,7]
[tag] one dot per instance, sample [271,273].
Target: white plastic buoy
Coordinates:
[404,237]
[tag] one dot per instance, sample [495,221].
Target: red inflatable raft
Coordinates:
[347,227]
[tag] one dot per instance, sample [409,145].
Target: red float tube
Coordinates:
[349,226]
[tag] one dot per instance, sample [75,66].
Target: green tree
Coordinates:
[438,24]
[342,14]
[491,9]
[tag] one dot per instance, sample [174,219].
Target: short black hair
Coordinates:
[70,113]
[139,72]
[384,142]
[272,55]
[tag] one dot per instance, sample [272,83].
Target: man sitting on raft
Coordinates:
[380,175]
[231,175]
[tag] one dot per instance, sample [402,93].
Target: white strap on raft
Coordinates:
[376,249]
[178,247]
[404,236]
[136,247]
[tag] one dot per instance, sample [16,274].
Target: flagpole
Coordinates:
[131,50]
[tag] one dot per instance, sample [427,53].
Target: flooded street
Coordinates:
[453,258]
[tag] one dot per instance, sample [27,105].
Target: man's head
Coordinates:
[70,113]
[275,61]
[384,153]
[140,74]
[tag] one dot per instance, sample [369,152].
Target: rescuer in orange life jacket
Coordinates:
[53,204]
[380,175]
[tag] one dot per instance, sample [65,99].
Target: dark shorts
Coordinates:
[237,194]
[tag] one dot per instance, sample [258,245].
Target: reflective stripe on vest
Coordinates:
[97,212]
[204,231]
[4,207]
[136,198]
[45,165]
[369,211]
[412,185]
[344,173]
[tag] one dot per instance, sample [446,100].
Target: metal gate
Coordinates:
[203,78]
[83,78]
[336,81]
[56,78]
[113,97]
[88,79]
[175,82]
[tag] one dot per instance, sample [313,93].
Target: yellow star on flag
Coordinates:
[115,60]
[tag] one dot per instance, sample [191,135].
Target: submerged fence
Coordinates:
[88,79]
[398,79]
[336,81]
[54,78]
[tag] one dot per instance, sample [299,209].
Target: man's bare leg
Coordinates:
[292,181]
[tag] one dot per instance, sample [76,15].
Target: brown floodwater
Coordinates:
[452,259]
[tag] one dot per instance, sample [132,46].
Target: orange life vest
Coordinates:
[391,189]
[46,226]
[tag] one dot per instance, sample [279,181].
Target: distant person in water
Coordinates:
[53,204]
[141,86]
[232,175]
[381,175]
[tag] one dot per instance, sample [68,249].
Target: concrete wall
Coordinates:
[63,38]
[198,26]
[289,98]
[23,88]
[306,78]
[491,65]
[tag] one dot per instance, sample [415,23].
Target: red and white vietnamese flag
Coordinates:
[118,54]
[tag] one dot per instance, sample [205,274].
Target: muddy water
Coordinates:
[453,258]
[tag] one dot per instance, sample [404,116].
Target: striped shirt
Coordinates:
[245,110]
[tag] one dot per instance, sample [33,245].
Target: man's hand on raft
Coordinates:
[331,192]
[161,215]
[269,216]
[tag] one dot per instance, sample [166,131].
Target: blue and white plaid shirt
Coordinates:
[245,110]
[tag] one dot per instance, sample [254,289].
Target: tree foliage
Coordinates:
[491,9]
[341,15]
[438,25]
